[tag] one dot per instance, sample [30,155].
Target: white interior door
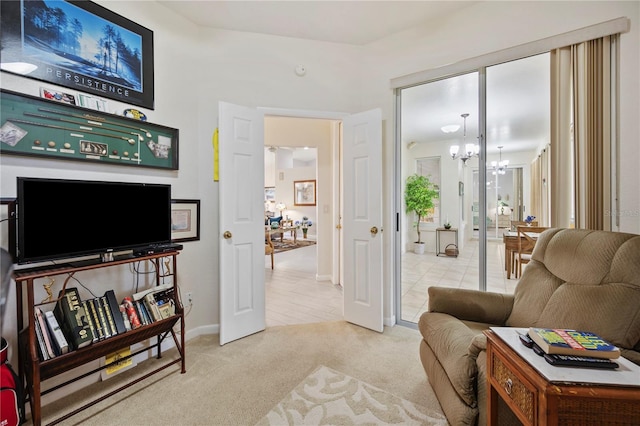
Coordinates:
[362,219]
[241,171]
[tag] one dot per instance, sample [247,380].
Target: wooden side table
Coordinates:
[535,400]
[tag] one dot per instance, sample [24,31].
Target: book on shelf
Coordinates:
[92,326]
[152,307]
[72,319]
[116,314]
[107,314]
[142,312]
[106,330]
[61,346]
[573,342]
[42,347]
[44,331]
[97,325]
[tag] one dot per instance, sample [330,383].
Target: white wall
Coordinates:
[195,68]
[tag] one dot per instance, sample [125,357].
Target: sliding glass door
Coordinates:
[483,129]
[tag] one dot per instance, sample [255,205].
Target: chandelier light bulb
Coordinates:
[470,150]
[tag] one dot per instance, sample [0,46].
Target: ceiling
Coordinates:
[350,22]
[518,92]
[518,99]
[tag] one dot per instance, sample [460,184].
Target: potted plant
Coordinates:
[304,224]
[419,193]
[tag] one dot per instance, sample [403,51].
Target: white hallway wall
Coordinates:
[195,68]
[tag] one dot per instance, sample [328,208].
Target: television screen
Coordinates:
[71,218]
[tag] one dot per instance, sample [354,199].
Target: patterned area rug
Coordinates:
[328,397]
[285,245]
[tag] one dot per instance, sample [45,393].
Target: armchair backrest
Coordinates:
[585,280]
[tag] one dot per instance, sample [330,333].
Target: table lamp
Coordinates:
[281,206]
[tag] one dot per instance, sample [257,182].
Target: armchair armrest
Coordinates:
[471,305]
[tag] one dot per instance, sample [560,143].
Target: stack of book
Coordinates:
[76,323]
[564,347]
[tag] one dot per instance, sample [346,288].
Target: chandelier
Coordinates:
[470,150]
[499,167]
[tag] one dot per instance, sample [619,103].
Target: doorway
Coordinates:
[241,170]
[301,288]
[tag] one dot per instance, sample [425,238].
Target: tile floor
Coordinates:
[293,296]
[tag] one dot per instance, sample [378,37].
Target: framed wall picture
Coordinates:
[44,128]
[85,47]
[185,220]
[8,225]
[304,192]
[270,194]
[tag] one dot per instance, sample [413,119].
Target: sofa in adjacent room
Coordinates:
[579,279]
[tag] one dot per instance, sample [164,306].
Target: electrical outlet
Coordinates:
[190,298]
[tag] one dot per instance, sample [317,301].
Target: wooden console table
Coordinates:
[537,400]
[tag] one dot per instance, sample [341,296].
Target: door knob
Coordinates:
[226,235]
[374,230]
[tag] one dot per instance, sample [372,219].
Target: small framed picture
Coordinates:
[7,224]
[185,220]
[270,193]
[304,192]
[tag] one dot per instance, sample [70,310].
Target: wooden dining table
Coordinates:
[511,246]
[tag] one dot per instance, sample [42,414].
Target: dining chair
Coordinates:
[516,223]
[527,237]
[514,254]
[268,247]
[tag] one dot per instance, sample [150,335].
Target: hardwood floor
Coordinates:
[293,296]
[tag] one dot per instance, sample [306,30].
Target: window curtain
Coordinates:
[517,195]
[536,187]
[581,134]
[540,197]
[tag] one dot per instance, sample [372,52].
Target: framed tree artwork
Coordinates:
[304,193]
[80,45]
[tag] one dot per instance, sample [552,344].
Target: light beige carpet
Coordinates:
[240,382]
[328,397]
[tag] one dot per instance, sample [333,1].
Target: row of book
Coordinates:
[76,323]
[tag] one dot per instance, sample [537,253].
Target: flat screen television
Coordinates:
[60,218]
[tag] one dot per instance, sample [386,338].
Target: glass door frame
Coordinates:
[478,64]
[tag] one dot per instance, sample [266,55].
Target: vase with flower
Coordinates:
[304,224]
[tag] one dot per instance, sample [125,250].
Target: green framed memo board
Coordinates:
[39,127]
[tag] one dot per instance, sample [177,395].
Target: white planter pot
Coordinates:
[418,248]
